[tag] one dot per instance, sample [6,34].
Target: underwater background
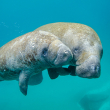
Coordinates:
[18,17]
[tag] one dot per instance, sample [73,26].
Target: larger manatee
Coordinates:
[85,45]
[28,55]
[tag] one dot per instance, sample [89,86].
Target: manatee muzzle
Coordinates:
[64,56]
[90,68]
[58,54]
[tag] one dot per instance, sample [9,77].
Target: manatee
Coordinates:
[105,106]
[85,46]
[28,55]
[93,101]
[96,99]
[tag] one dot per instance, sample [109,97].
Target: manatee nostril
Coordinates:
[95,70]
[93,67]
[98,69]
[63,56]
[66,53]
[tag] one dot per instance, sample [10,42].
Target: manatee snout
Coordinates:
[90,68]
[58,54]
[64,55]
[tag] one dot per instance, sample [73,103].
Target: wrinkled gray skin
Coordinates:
[25,57]
[85,46]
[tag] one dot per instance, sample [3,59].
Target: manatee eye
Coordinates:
[76,53]
[44,52]
[75,50]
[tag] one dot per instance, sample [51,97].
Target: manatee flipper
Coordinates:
[66,71]
[52,73]
[23,81]
[55,72]
[35,79]
[72,70]
[63,71]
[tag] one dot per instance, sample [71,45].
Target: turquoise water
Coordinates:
[18,17]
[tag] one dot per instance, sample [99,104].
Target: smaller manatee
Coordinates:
[28,55]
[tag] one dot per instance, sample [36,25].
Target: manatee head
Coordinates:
[87,52]
[52,51]
[57,54]
[90,68]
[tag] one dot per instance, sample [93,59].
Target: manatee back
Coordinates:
[61,28]
[71,32]
[76,35]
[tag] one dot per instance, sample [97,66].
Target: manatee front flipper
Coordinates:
[55,72]
[35,79]
[72,70]
[23,81]
[63,71]
[52,73]
[66,71]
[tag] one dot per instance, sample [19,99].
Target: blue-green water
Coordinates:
[18,17]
